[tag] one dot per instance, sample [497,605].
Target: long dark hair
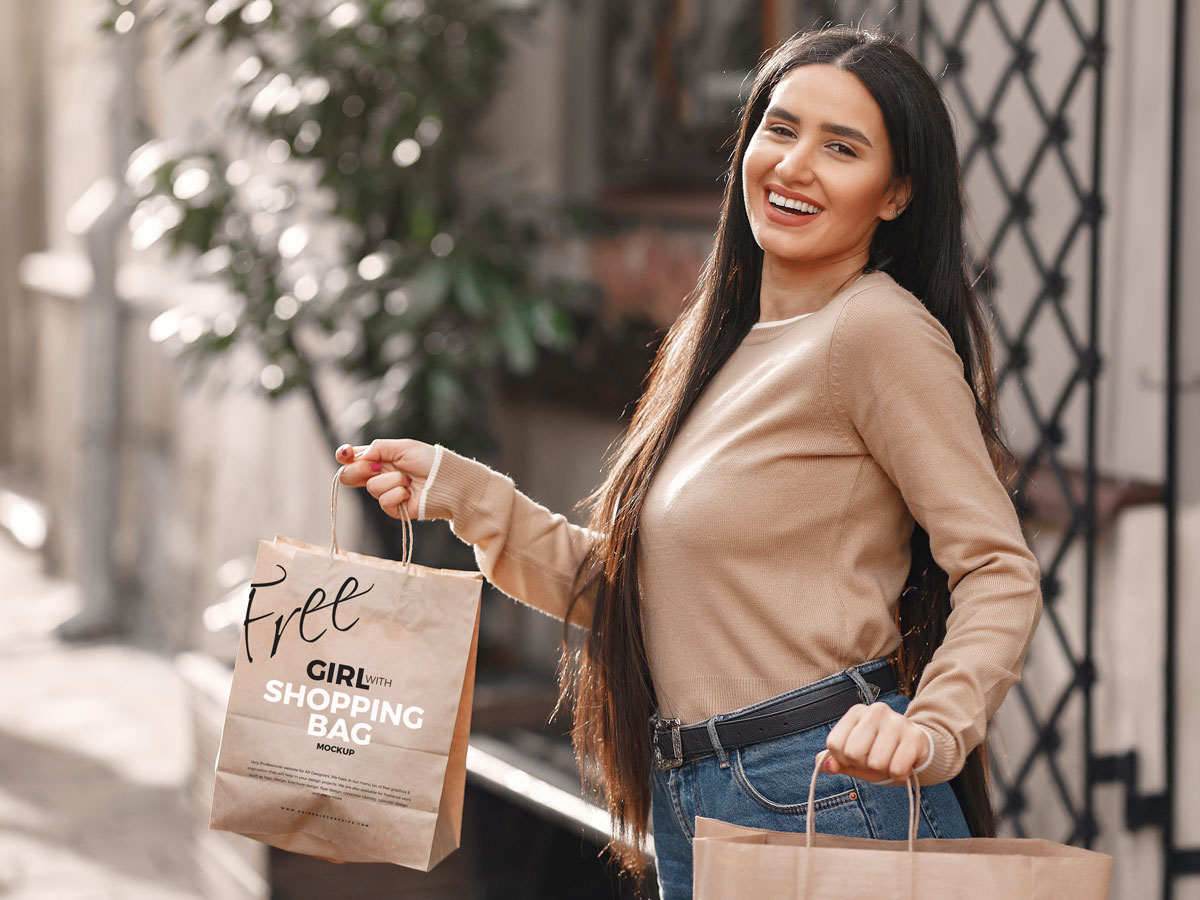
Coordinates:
[605,677]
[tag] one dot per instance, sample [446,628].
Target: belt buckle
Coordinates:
[665,726]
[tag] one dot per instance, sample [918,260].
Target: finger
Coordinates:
[836,740]
[348,453]
[909,753]
[353,476]
[911,746]
[357,473]
[860,740]
[380,484]
[384,450]
[883,748]
[392,501]
[869,775]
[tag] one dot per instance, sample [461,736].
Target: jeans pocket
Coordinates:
[775,775]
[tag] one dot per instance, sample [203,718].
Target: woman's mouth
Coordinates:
[785,211]
[792,207]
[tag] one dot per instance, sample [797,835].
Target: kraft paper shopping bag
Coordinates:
[347,726]
[733,861]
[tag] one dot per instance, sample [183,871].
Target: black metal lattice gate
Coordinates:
[1026,84]
[1025,80]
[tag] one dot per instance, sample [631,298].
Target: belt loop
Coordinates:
[868,692]
[716,742]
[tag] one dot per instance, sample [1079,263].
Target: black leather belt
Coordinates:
[674,743]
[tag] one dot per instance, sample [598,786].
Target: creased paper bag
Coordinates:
[734,861]
[346,732]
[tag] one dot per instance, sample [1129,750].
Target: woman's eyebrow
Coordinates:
[840,130]
[847,132]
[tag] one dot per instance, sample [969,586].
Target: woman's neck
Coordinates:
[790,290]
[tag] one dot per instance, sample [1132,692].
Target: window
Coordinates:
[674,73]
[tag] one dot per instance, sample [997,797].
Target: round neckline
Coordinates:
[774,323]
[769,331]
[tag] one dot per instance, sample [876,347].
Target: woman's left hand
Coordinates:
[874,743]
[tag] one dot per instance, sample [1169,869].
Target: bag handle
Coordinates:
[406,539]
[913,789]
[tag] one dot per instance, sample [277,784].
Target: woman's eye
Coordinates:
[781,130]
[843,149]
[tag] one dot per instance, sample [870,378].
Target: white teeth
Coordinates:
[780,200]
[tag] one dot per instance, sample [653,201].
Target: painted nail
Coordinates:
[376,467]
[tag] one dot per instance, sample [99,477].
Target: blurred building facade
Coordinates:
[587,115]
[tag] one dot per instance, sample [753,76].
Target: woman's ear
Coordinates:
[899,195]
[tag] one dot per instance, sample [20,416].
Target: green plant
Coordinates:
[329,205]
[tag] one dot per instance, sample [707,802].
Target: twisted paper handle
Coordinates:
[914,803]
[406,545]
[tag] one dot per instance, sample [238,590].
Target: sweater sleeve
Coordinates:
[896,377]
[524,549]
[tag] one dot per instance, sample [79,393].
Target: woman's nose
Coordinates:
[796,165]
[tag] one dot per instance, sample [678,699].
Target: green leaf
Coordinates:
[446,395]
[553,326]
[423,225]
[429,288]
[470,294]
[519,347]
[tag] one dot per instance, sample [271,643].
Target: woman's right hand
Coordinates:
[393,471]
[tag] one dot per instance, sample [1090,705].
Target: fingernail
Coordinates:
[829,765]
[376,467]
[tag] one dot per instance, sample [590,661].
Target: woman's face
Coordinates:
[817,174]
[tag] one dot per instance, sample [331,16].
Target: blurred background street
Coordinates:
[94,755]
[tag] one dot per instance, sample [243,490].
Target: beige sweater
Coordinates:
[774,541]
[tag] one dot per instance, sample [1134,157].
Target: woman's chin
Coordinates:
[788,251]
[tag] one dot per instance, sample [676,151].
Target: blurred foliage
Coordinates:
[330,207]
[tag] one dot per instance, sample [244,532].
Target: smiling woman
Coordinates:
[817,180]
[808,485]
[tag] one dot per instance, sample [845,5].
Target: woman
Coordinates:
[806,490]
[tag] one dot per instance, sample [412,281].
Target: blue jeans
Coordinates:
[765,785]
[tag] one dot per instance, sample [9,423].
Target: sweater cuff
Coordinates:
[925,765]
[454,486]
[943,762]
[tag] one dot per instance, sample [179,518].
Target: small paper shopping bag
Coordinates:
[346,732]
